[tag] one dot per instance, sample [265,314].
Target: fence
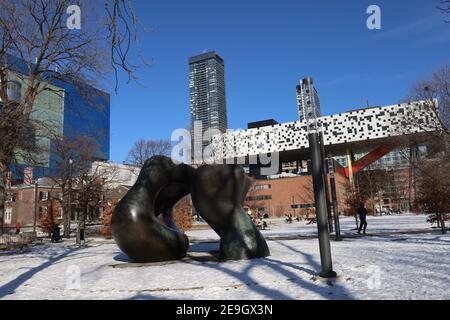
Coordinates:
[14,241]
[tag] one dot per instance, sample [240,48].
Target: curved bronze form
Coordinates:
[135,225]
[218,192]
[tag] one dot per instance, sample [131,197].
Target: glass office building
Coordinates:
[70,111]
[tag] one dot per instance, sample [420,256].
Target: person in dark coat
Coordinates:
[362,212]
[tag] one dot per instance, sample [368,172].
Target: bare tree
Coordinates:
[435,88]
[398,181]
[352,199]
[435,92]
[371,185]
[444,6]
[73,172]
[37,50]
[434,189]
[91,182]
[145,149]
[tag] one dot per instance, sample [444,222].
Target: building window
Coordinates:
[59,196]
[257,198]
[60,212]
[262,186]
[43,195]
[8,215]
[10,197]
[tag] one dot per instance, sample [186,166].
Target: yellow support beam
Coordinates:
[349,165]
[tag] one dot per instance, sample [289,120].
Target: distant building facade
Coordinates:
[308,101]
[208,106]
[26,203]
[36,198]
[289,194]
[69,110]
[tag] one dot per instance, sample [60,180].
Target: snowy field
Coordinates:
[401,258]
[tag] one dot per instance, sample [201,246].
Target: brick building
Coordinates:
[36,197]
[26,201]
[289,194]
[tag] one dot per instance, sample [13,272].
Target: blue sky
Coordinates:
[268,46]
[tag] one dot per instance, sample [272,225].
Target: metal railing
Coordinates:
[10,240]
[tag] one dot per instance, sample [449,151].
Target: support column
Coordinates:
[349,165]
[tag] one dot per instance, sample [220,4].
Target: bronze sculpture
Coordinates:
[218,192]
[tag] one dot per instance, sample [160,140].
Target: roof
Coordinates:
[205,56]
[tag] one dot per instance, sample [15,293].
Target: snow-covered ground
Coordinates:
[389,264]
[381,224]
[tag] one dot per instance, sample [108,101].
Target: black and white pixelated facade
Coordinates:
[338,129]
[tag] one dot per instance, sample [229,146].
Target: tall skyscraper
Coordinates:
[308,101]
[207,95]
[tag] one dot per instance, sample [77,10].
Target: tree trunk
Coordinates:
[66,215]
[444,230]
[2,195]
[372,199]
[82,218]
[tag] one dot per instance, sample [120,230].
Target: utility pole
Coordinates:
[325,181]
[335,203]
[293,204]
[69,214]
[321,205]
[35,208]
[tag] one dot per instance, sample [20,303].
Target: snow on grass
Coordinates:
[378,224]
[397,266]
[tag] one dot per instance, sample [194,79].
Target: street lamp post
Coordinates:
[69,214]
[325,181]
[320,200]
[335,203]
[35,207]
[293,205]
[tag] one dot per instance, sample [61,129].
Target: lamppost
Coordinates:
[325,180]
[320,200]
[293,204]
[69,215]
[35,207]
[335,202]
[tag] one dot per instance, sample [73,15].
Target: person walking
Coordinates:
[362,212]
[18,226]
